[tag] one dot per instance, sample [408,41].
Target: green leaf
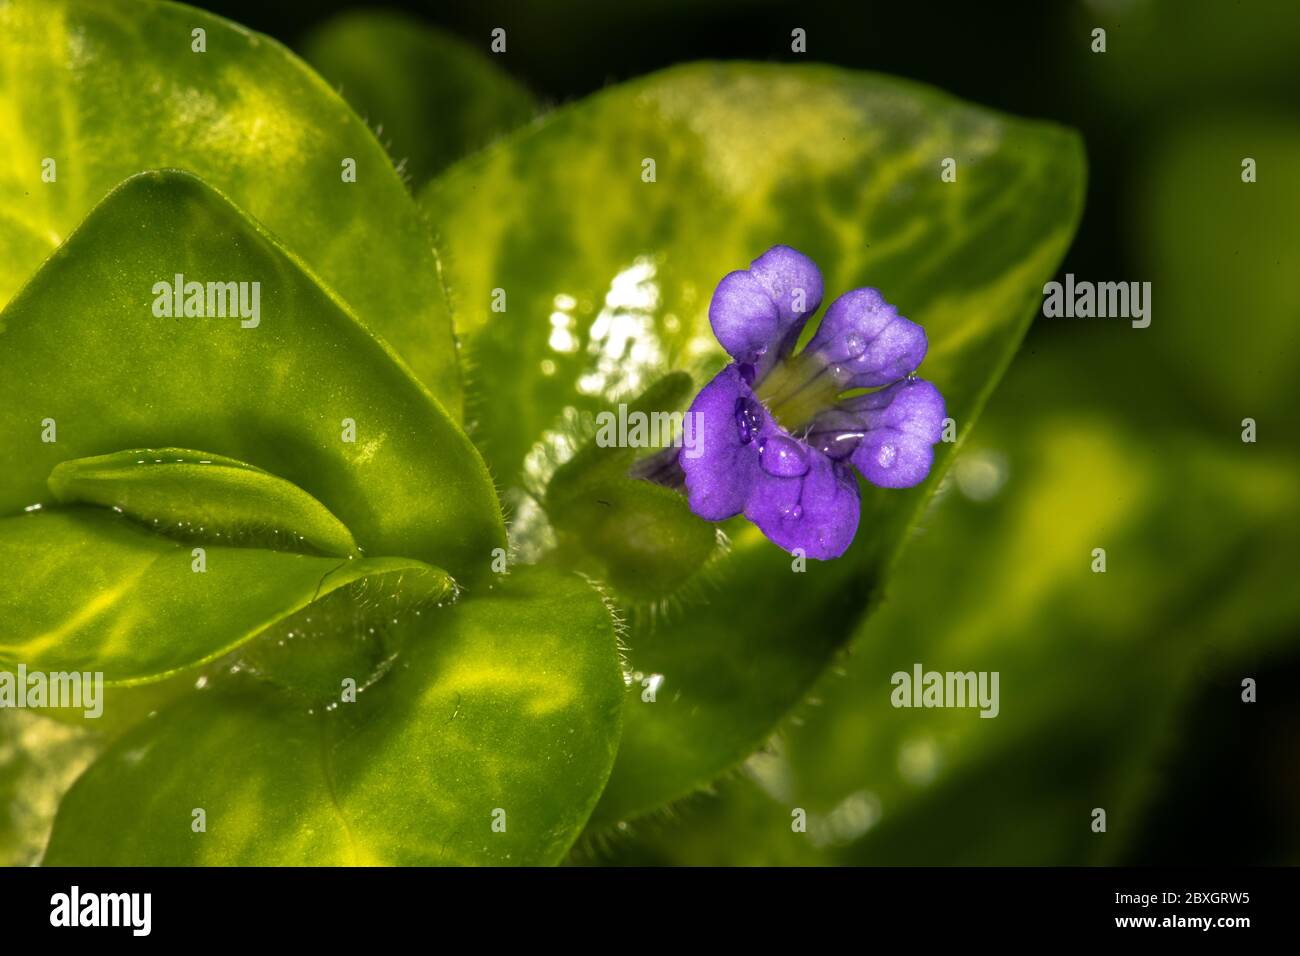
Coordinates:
[607,280]
[203,496]
[639,537]
[432,97]
[645,541]
[1233,252]
[601,457]
[108,89]
[1157,57]
[129,704]
[90,590]
[508,702]
[87,368]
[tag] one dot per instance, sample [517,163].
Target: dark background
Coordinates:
[1030,59]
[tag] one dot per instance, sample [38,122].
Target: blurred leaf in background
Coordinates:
[1163,54]
[1224,255]
[39,760]
[431,97]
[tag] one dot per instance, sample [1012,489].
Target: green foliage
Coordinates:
[320,687]
[1096,669]
[638,536]
[431,97]
[202,496]
[1225,264]
[506,702]
[114,87]
[82,346]
[94,592]
[607,279]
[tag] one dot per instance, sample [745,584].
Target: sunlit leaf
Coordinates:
[104,90]
[88,367]
[487,742]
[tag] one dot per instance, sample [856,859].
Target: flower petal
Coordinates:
[817,512]
[836,433]
[722,467]
[794,283]
[745,320]
[901,424]
[866,337]
[782,456]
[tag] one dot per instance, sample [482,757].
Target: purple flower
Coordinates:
[775,440]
